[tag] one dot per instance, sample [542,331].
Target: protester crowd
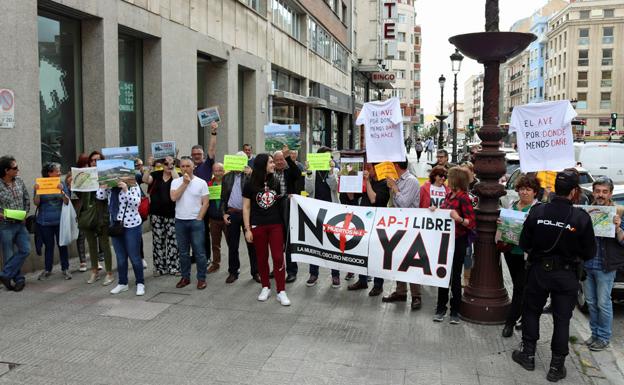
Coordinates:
[188,224]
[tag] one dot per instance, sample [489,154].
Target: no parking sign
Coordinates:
[7,108]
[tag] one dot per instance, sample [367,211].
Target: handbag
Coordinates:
[31,223]
[144,207]
[117,229]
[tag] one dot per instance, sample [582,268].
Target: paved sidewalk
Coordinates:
[68,332]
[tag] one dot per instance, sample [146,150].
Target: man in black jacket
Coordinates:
[288,174]
[557,236]
[601,271]
[232,212]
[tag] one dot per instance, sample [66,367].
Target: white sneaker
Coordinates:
[144,264]
[119,288]
[140,289]
[264,294]
[283,298]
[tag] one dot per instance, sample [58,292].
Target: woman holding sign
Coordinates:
[527,187]
[162,216]
[49,217]
[463,214]
[264,224]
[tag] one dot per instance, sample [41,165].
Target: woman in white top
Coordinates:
[123,208]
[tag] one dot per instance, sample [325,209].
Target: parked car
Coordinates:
[585,179]
[601,158]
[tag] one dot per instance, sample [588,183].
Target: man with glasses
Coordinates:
[442,157]
[203,169]
[190,193]
[557,236]
[13,234]
[601,271]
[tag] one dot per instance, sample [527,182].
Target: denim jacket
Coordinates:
[50,206]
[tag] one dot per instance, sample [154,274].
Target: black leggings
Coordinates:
[461,243]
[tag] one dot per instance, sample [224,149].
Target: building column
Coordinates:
[100,80]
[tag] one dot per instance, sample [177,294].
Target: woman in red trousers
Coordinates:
[264,224]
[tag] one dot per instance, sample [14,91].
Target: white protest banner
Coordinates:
[330,235]
[544,135]
[383,127]
[411,245]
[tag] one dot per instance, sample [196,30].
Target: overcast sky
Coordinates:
[441,19]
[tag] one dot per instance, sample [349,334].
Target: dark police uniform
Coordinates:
[558,237]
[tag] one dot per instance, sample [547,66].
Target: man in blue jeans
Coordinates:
[190,193]
[601,271]
[13,234]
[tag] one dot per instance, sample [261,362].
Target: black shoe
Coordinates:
[508,331]
[357,285]
[416,303]
[271,275]
[557,369]
[19,286]
[7,283]
[524,359]
[519,325]
[290,278]
[375,291]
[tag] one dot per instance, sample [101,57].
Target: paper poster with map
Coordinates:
[510,229]
[602,218]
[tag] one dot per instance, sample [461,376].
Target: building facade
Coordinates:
[473,100]
[131,72]
[523,76]
[399,55]
[586,62]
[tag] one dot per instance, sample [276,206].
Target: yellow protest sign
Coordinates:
[386,170]
[234,162]
[214,192]
[48,186]
[319,162]
[18,215]
[547,179]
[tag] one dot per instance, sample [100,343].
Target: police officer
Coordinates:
[558,237]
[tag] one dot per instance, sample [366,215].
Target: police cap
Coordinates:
[566,181]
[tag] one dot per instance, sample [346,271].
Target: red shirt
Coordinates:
[463,205]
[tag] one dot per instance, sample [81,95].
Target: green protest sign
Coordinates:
[234,162]
[18,215]
[319,162]
[214,192]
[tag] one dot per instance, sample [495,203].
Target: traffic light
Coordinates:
[613,121]
[471,126]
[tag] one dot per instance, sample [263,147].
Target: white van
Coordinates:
[601,158]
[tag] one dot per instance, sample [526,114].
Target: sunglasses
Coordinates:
[14,168]
[441,176]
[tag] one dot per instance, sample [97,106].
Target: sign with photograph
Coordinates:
[84,179]
[110,171]
[208,115]
[129,152]
[161,150]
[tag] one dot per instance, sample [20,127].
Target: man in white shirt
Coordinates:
[191,196]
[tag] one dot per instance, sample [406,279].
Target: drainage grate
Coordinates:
[170,298]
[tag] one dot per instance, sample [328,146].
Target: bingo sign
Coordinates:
[7,108]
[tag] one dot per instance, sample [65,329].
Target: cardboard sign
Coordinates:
[208,115]
[18,215]
[386,170]
[161,150]
[84,179]
[48,186]
[129,152]
[111,171]
[319,162]
[547,179]
[234,162]
[214,192]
